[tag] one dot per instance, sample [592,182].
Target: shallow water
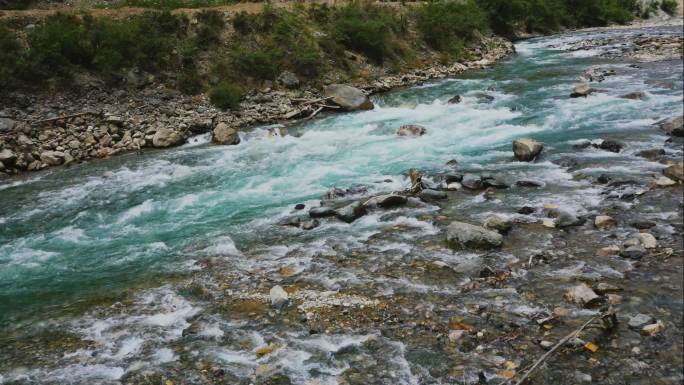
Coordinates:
[74,238]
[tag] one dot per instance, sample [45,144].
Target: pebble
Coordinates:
[639,321]
[648,241]
[604,222]
[653,329]
[278,297]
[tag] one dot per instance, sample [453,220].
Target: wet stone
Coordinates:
[582,295]
[465,235]
[351,212]
[429,195]
[633,252]
[310,224]
[321,212]
[640,320]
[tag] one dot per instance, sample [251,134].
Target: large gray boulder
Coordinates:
[673,126]
[526,149]
[222,134]
[386,201]
[351,212]
[581,90]
[461,235]
[165,137]
[347,97]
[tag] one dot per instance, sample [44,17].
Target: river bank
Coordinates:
[241,291]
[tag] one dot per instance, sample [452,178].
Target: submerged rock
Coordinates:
[310,224]
[673,126]
[604,222]
[222,134]
[321,212]
[429,195]
[675,171]
[386,201]
[638,321]
[499,223]
[411,130]
[637,95]
[563,218]
[351,212]
[347,97]
[464,235]
[611,145]
[472,182]
[455,100]
[526,149]
[633,252]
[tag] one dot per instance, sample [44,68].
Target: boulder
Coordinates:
[430,195]
[493,181]
[564,218]
[310,224]
[321,212]
[526,149]
[7,124]
[653,329]
[675,171]
[638,95]
[652,153]
[648,241]
[52,158]
[386,201]
[664,181]
[165,137]
[351,212]
[472,182]
[411,130]
[529,183]
[582,295]
[288,79]
[638,321]
[347,97]
[223,134]
[604,222]
[455,100]
[633,252]
[498,223]
[673,126]
[464,235]
[7,157]
[581,90]
[611,145]
[278,297]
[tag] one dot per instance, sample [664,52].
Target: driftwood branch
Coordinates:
[306,102]
[554,348]
[319,109]
[66,117]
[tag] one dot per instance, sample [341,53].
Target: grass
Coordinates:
[226,95]
[175,4]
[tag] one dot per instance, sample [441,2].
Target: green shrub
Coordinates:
[209,28]
[669,6]
[260,64]
[189,82]
[443,22]
[226,95]
[365,28]
[10,53]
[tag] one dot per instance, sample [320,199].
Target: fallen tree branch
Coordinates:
[66,117]
[306,102]
[554,348]
[315,113]
[328,106]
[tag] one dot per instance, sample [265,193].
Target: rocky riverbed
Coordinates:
[433,240]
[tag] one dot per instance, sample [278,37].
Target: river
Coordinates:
[104,254]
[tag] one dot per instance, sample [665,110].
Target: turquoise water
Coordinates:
[71,235]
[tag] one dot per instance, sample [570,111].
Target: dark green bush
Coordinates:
[210,25]
[443,22]
[189,82]
[10,53]
[226,95]
[366,28]
[260,64]
[669,6]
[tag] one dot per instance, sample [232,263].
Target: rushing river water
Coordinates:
[76,239]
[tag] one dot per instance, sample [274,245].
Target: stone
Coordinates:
[643,224]
[582,295]
[52,158]
[386,201]
[637,95]
[7,157]
[611,145]
[608,251]
[453,163]
[603,288]
[223,134]
[456,335]
[638,321]
[451,178]
[165,137]
[299,206]
[648,241]
[498,223]
[114,119]
[472,182]
[493,181]
[347,97]
[430,195]
[464,235]
[673,126]
[664,181]
[310,224]
[351,212]
[652,153]
[564,218]
[526,210]
[633,252]
[604,222]
[581,90]
[288,79]
[653,329]
[411,130]
[526,149]
[7,124]
[546,344]
[74,144]
[455,100]
[529,183]
[675,171]
[321,212]
[278,297]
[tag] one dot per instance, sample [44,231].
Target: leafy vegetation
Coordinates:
[669,6]
[226,95]
[447,25]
